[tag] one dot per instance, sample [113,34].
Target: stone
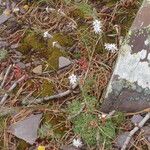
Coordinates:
[121,139]
[37,70]
[129,87]
[4,17]
[63,62]
[27,128]
[21,65]
[136,119]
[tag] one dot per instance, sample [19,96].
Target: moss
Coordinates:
[118,118]
[22,145]
[53,126]
[53,60]
[35,42]
[2,124]
[63,40]
[2,127]
[47,88]
[3,54]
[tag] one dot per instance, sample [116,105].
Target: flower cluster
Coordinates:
[73,79]
[77,143]
[97,26]
[111,47]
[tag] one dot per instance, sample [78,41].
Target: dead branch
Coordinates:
[47,98]
[5,76]
[10,89]
[132,132]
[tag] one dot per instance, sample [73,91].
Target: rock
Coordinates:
[21,65]
[27,128]
[129,86]
[63,62]
[136,119]
[4,17]
[121,139]
[37,70]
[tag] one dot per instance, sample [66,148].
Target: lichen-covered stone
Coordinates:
[129,87]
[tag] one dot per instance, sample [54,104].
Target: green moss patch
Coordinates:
[33,44]
[89,126]
[53,126]
[47,88]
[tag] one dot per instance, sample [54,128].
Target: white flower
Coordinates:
[73,79]
[47,35]
[77,143]
[16,9]
[111,47]
[97,26]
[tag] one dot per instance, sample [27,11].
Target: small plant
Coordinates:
[89,126]
[86,126]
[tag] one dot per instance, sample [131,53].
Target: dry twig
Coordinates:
[132,132]
[47,98]
[5,77]
[10,89]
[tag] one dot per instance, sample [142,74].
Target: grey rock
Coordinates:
[4,18]
[63,62]
[21,65]
[27,128]
[121,139]
[136,119]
